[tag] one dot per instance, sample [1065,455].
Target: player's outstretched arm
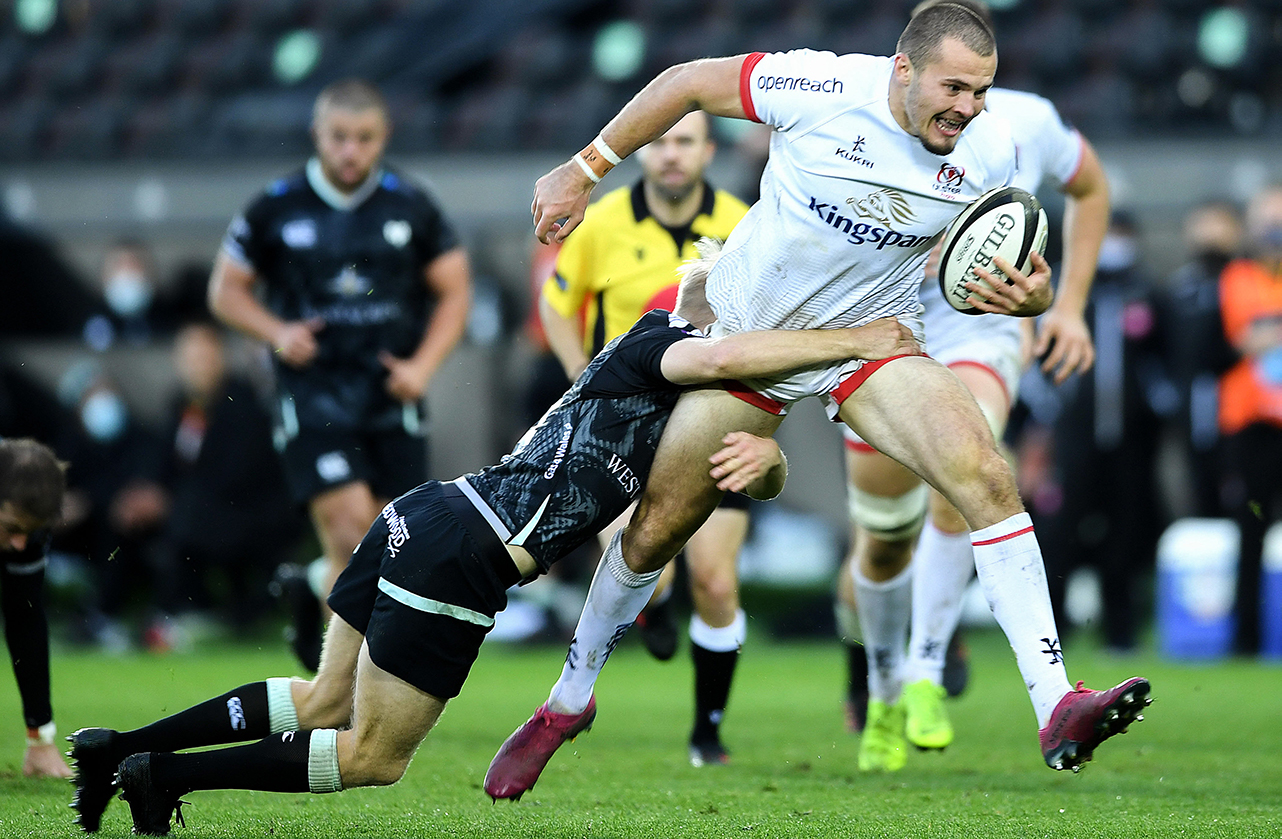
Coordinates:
[710,84]
[771,352]
[750,464]
[1063,338]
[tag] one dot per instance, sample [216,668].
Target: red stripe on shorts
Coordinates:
[852,382]
[997,539]
[741,391]
[745,84]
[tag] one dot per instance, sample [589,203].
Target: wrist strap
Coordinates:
[587,170]
[597,159]
[42,736]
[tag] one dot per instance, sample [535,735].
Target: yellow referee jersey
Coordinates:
[620,263]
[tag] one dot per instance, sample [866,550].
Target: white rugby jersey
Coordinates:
[850,202]
[1046,148]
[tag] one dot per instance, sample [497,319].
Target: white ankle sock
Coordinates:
[1009,563]
[883,618]
[942,566]
[719,639]
[617,596]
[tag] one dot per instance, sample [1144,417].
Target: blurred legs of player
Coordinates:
[718,626]
[341,516]
[252,711]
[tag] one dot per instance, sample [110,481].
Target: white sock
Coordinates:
[942,565]
[282,716]
[1009,563]
[617,596]
[883,618]
[719,639]
[322,761]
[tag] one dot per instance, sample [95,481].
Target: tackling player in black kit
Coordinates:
[351,257]
[422,589]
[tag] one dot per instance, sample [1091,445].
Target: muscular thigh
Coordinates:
[919,413]
[680,494]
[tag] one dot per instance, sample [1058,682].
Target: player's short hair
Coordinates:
[351,95]
[975,6]
[692,301]
[931,25]
[32,478]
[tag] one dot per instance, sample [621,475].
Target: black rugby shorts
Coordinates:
[424,586]
[391,462]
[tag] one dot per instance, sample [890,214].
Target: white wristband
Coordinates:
[606,152]
[587,170]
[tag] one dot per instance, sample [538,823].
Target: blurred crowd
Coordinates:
[170,523]
[194,79]
[1180,416]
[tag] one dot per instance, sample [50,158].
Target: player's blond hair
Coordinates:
[692,302]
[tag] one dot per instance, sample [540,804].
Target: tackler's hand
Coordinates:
[745,458]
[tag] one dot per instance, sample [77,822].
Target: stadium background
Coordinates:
[158,119]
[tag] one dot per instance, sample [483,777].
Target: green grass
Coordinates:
[1207,761]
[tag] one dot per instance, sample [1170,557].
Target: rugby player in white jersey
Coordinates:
[871,157]
[888,503]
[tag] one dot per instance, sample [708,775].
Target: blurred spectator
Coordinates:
[114,506]
[1105,443]
[42,295]
[230,515]
[1196,346]
[136,309]
[1251,399]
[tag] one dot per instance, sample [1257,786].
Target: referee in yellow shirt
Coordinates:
[620,263]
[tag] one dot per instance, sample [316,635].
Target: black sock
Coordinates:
[857,669]
[275,764]
[713,673]
[234,717]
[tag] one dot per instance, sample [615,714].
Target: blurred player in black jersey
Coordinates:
[366,292]
[421,592]
[32,483]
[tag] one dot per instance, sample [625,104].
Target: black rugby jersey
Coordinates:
[360,269]
[588,458]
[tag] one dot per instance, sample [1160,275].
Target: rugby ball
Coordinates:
[1007,222]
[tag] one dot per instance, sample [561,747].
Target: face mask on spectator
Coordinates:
[103,416]
[128,293]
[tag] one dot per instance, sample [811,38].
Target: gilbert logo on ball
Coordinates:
[1007,222]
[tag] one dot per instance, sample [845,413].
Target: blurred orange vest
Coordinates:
[1248,293]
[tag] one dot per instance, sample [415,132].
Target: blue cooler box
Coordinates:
[1271,595]
[1196,579]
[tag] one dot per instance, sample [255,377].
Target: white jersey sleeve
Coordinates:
[1047,148]
[800,89]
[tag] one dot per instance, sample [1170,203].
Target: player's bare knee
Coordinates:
[884,556]
[714,587]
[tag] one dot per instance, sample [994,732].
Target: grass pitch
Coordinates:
[1207,761]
